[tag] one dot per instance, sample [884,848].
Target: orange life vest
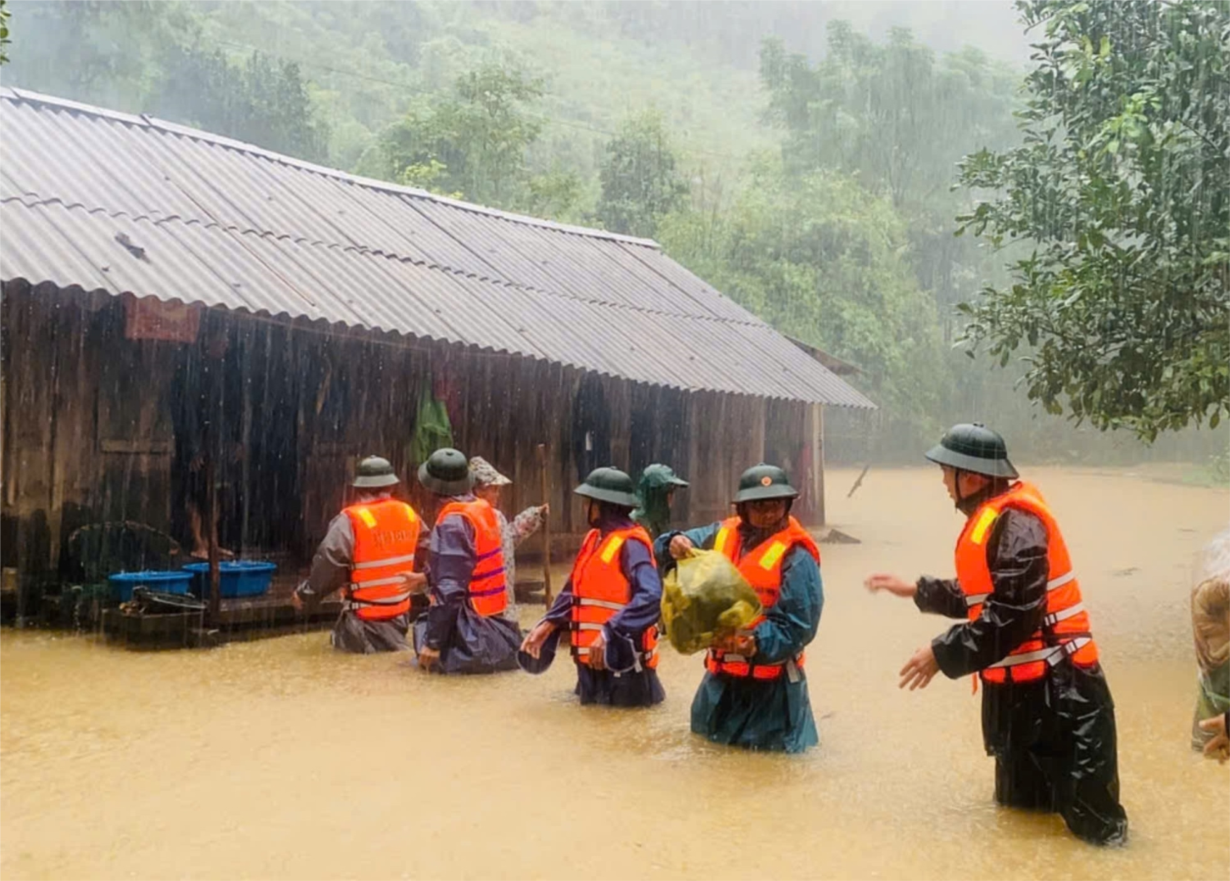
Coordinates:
[487,591]
[386,535]
[762,567]
[601,590]
[1065,629]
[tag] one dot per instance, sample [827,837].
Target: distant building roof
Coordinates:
[106,201]
[832,362]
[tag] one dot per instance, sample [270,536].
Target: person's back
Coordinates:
[464,630]
[369,552]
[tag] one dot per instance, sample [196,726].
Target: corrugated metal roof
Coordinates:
[231,225]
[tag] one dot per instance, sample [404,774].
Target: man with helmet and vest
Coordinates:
[1047,713]
[610,604]
[465,629]
[369,552]
[754,693]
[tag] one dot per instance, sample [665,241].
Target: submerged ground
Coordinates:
[280,759]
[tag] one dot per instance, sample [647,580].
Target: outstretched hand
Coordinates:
[920,669]
[879,581]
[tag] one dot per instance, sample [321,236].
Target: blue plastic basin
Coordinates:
[236,578]
[167,581]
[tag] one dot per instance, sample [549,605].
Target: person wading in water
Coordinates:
[1047,714]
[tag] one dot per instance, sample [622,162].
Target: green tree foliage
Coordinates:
[4,34]
[639,176]
[899,120]
[823,261]
[90,50]
[1122,189]
[263,102]
[477,137]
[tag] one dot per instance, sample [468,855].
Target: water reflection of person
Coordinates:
[1047,714]
[488,485]
[655,492]
[611,603]
[369,551]
[465,629]
[754,693]
[207,416]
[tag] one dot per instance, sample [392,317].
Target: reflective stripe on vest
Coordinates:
[1064,631]
[762,568]
[488,594]
[386,534]
[601,590]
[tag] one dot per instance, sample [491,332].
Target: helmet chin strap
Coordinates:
[957,472]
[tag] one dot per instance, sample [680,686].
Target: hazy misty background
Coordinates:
[799,156]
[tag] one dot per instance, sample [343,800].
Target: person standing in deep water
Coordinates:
[754,693]
[1047,713]
[610,604]
[465,629]
[368,551]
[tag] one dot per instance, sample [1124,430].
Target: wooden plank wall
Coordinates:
[87,434]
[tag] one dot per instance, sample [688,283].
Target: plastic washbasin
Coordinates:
[236,578]
[166,581]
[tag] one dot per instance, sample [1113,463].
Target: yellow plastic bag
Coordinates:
[704,597]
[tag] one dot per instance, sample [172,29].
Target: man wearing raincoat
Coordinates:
[654,493]
[464,630]
[754,693]
[368,551]
[610,604]
[1047,714]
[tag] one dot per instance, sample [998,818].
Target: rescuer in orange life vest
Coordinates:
[368,551]
[465,629]
[610,605]
[754,693]
[1047,713]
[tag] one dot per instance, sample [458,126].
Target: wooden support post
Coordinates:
[211,523]
[544,463]
[817,461]
[760,416]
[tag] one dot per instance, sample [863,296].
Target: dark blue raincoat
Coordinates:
[624,631]
[467,642]
[763,714]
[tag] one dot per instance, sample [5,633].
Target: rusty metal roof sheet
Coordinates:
[226,224]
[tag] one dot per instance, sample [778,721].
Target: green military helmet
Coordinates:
[976,448]
[374,472]
[609,485]
[447,473]
[761,482]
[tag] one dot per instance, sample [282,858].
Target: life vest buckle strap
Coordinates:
[1063,615]
[1051,655]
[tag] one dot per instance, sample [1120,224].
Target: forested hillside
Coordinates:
[801,157]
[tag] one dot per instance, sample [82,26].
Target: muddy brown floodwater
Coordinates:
[281,759]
